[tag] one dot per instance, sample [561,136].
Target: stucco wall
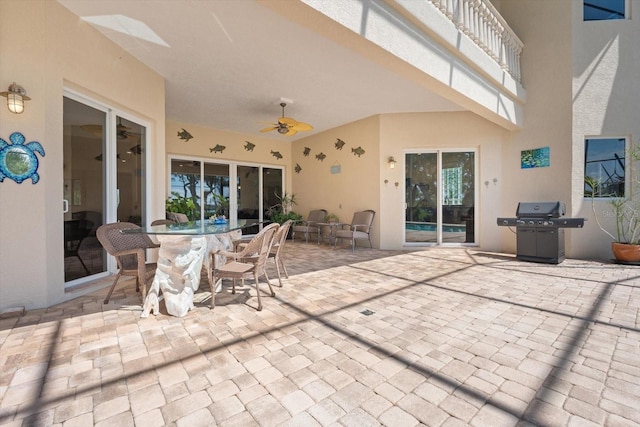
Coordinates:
[581,81]
[45,48]
[606,61]
[357,185]
[400,133]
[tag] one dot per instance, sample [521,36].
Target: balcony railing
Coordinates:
[482,23]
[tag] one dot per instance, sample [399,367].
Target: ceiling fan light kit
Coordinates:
[287,125]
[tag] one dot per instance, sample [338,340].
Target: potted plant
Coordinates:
[331,218]
[179,204]
[625,234]
[282,211]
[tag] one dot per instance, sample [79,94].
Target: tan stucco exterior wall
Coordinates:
[402,133]
[45,48]
[354,186]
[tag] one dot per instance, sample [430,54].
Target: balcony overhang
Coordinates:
[420,43]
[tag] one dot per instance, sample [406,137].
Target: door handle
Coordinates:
[65,206]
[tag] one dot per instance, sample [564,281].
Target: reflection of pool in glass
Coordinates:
[424,226]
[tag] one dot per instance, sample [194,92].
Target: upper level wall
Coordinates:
[606,101]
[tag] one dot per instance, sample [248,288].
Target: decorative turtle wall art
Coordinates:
[18,160]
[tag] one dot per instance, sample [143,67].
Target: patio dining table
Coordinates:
[184,249]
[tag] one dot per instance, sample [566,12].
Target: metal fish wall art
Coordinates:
[217,149]
[297,168]
[321,156]
[276,154]
[184,135]
[357,151]
[306,151]
[339,144]
[249,146]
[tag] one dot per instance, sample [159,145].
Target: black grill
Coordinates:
[540,231]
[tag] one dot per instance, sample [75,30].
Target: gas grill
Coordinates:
[540,231]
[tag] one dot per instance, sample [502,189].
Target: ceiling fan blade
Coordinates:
[301,127]
[287,121]
[95,130]
[268,129]
[291,132]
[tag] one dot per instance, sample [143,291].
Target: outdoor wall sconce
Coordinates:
[392,162]
[16,95]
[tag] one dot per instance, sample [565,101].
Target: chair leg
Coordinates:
[273,294]
[255,276]
[278,271]
[115,282]
[286,274]
[353,245]
[212,304]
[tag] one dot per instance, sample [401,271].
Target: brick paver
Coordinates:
[442,337]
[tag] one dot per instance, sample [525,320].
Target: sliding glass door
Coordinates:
[104,181]
[440,197]
[237,191]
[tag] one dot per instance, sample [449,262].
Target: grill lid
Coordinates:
[540,210]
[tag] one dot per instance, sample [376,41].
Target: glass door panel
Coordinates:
[271,188]
[216,190]
[131,144]
[450,218]
[84,142]
[458,197]
[186,184]
[421,215]
[248,192]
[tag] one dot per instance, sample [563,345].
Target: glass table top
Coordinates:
[195,228]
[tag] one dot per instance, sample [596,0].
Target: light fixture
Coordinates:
[392,162]
[16,95]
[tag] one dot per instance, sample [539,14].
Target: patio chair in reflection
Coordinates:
[359,229]
[177,217]
[248,262]
[129,252]
[310,226]
[163,222]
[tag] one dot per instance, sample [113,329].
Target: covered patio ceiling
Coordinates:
[228,63]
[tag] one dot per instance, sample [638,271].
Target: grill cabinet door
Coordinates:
[526,241]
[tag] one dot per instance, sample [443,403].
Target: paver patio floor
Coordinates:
[442,337]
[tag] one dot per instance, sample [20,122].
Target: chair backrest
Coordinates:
[281,236]
[265,237]
[162,221]
[317,215]
[363,220]
[113,241]
[177,217]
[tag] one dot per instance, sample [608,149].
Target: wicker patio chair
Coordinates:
[359,229]
[247,263]
[129,252]
[279,240]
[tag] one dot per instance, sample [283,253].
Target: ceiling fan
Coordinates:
[122,131]
[287,125]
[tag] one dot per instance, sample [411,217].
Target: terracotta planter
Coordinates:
[625,252]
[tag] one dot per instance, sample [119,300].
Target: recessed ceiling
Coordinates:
[228,63]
